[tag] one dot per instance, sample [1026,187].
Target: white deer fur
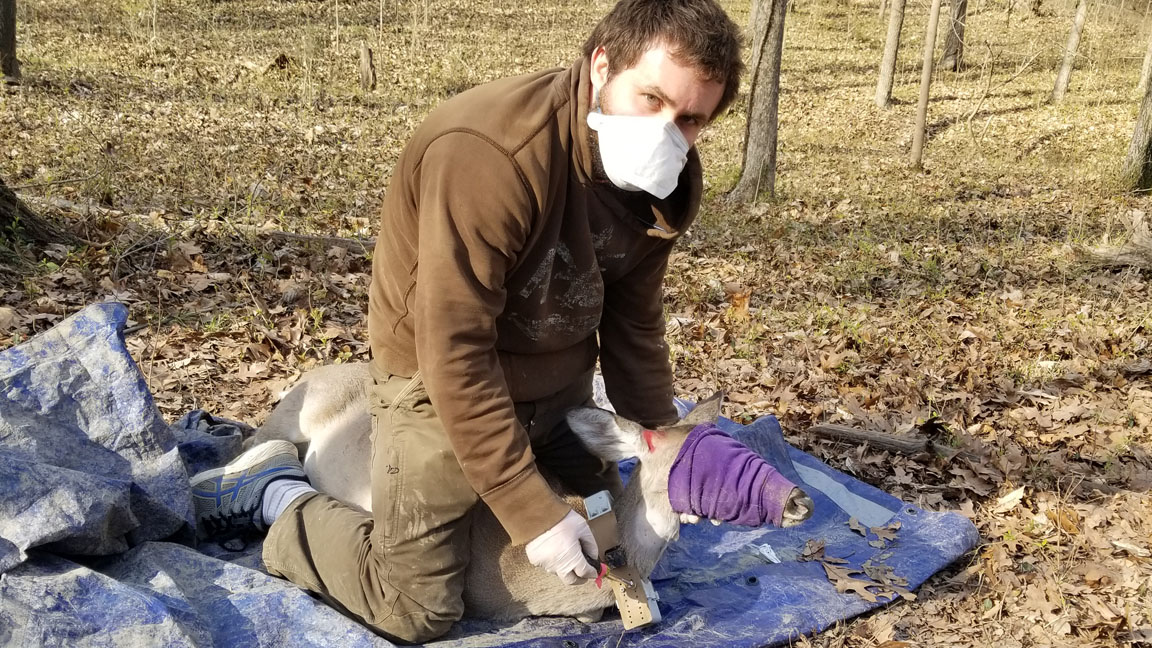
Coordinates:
[328,410]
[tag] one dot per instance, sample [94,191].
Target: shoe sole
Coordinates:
[250,458]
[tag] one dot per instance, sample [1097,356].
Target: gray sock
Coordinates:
[279,494]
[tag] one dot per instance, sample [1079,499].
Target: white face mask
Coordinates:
[640,153]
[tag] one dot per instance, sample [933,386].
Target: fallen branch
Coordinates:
[1037,142]
[18,220]
[1136,253]
[353,244]
[54,182]
[362,245]
[903,443]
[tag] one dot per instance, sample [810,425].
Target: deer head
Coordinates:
[645,517]
[645,514]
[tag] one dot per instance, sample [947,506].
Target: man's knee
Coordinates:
[411,622]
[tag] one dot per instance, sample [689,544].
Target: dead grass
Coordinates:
[866,294]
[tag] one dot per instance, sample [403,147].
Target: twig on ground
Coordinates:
[54,182]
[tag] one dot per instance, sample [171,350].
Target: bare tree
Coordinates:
[925,85]
[1146,68]
[953,57]
[19,224]
[760,134]
[891,49]
[367,68]
[1065,74]
[1137,173]
[9,65]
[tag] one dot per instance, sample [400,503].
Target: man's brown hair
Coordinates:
[697,33]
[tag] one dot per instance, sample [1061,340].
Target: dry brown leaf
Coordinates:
[1009,501]
[49,306]
[813,550]
[841,578]
[856,526]
[1133,549]
[1095,574]
[7,319]
[738,301]
[886,532]
[1067,519]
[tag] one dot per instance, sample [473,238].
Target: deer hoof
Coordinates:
[798,508]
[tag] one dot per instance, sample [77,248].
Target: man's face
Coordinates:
[657,85]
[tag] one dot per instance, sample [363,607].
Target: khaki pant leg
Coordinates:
[424,505]
[399,571]
[559,451]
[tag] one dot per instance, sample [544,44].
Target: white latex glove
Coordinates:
[562,548]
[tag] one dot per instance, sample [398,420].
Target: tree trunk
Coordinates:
[1137,174]
[925,85]
[9,65]
[758,175]
[891,49]
[367,69]
[883,8]
[1146,69]
[17,221]
[1065,73]
[954,44]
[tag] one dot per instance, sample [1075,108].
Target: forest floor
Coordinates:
[953,303]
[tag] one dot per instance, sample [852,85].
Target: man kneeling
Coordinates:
[525,234]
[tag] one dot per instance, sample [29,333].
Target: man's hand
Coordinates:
[562,548]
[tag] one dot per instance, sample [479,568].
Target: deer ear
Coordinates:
[606,435]
[706,411]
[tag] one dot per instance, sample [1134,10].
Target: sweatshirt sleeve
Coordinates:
[475,214]
[633,352]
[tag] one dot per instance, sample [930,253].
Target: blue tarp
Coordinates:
[96,543]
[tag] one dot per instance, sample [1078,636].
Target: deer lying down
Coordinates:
[328,410]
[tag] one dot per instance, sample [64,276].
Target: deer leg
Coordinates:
[591,616]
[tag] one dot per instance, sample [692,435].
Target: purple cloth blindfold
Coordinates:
[717,477]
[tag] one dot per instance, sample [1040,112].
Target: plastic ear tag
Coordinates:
[647,434]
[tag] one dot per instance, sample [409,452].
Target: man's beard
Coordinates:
[598,173]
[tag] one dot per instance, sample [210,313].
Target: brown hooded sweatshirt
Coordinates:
[502,255]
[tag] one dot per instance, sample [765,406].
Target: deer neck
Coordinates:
[646,520]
